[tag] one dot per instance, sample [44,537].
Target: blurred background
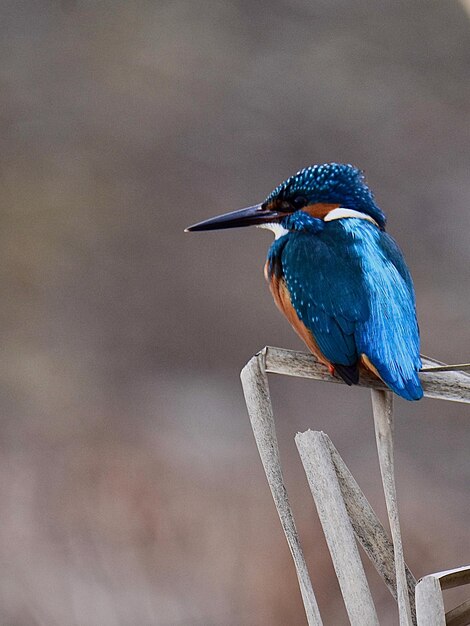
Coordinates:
[131,492]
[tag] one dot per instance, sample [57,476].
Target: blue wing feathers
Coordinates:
[328,309]
[390,335]
[350,286]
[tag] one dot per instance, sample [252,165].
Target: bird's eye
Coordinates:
[298,202]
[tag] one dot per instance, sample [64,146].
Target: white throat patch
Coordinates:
[340,213]
[276,228]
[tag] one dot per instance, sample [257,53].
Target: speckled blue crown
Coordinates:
[334,183]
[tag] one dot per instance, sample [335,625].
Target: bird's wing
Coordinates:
[389,337]
[351,288]
[326,291]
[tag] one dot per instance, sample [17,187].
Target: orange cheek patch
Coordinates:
[320,209]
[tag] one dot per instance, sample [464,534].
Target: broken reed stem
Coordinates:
[439,381]
[258,402]
[336,524]
[369,531]
[382,406]
[448,385]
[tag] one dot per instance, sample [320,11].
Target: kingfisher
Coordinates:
[336,274]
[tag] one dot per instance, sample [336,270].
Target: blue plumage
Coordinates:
[333,183]
[350,287]
[339,278]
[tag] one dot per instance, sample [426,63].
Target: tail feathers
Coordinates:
[349,373]
[404,381]
[404,384]
[409,389]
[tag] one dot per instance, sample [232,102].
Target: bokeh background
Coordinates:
[131,492]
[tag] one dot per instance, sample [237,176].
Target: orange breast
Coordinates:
[281,296]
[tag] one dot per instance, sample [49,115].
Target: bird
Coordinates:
[338,277]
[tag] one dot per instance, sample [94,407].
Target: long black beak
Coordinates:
[250,216]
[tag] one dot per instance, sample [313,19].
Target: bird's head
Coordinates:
[314,192]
